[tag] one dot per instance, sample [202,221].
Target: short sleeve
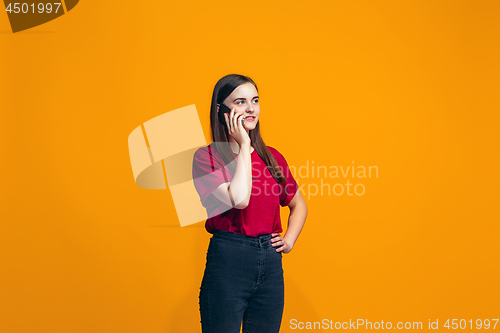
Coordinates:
[208,173]
[290,187]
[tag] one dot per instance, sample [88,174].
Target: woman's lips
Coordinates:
[250,119]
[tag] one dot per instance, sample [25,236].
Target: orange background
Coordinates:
[409,87]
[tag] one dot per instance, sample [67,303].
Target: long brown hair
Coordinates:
[224,87]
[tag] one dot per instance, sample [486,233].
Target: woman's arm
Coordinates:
[239,189]
[296,220]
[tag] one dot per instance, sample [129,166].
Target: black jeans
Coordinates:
[243,281]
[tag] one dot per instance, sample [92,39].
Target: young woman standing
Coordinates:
[242,183]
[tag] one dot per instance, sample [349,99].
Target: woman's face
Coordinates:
[245,99]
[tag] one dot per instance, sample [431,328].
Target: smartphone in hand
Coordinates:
[223,108]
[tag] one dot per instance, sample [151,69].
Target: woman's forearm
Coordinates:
[296,221]
[241,185]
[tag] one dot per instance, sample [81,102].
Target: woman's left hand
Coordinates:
[280,244]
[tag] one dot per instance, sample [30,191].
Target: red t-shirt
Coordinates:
[262,215]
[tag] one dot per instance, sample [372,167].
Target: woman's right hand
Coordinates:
[235,128]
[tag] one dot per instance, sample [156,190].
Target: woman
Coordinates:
[242,182]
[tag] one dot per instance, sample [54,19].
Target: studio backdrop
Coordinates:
[386,111]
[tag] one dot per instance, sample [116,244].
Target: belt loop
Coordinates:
[262,240]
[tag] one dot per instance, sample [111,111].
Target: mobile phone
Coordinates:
[223,108]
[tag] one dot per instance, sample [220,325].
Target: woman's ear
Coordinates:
[217,107]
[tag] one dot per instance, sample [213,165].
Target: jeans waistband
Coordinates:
[240,238]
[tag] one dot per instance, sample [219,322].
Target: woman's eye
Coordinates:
[256,101]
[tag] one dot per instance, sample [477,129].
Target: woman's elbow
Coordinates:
[243,204]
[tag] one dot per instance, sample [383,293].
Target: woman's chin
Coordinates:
[249,126]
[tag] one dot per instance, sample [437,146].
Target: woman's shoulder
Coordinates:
[203,153]
[204,150]
[207,153]
[276,153]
